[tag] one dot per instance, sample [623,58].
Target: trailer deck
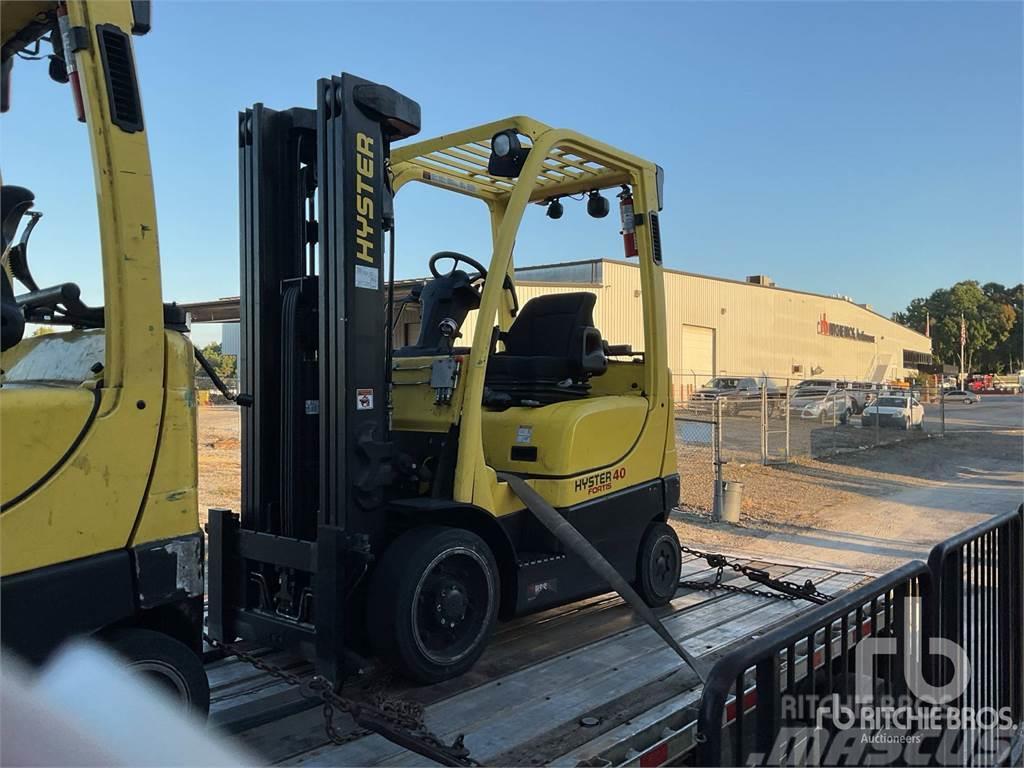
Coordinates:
[584,682]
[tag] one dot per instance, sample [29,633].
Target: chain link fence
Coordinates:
[208,394]
[740,420]
[776,420]
[697,451]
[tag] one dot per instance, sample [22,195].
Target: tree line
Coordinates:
[993,315]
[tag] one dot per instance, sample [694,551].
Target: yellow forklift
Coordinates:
[396,502]
[98,523]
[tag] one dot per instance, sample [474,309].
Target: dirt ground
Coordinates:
[868,509]
[220,483]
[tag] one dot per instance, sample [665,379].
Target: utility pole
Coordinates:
[963,341]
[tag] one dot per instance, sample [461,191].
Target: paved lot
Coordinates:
[1005,411]
[741,435]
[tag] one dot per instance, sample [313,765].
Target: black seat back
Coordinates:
[551,351]
[551,326]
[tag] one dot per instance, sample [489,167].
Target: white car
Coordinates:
[893,410]
[968,398]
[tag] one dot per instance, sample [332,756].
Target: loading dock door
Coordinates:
[698,361]
[698,351]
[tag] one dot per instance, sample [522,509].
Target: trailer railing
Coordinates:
[758,703]
[979,578]
[783,698]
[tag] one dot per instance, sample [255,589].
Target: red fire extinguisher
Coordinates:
[69,60]
[628,231]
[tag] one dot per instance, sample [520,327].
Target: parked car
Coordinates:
[861,392]
[821,403]
[968,398]
[894,409]
[737,394]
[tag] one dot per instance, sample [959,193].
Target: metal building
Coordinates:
[718,327]
[732,328]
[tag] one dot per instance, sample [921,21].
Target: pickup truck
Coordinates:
[738,394]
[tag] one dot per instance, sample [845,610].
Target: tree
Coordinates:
[991,313]
[225,365]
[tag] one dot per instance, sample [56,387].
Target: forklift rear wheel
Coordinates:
[659,564]
[433,602]
[171,665]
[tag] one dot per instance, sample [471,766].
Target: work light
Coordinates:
[507,154]
[501,144]
[597,206]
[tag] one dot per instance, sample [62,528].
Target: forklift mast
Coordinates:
[316,201]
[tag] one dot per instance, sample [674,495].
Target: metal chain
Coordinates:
[403,716]
[783,590]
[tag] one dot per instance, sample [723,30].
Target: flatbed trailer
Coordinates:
[583,683]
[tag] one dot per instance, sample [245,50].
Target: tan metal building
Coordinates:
[721,327]
[717,327]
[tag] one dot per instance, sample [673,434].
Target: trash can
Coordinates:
[731,495]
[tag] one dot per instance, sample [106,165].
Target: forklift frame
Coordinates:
[313,337]
[560,163]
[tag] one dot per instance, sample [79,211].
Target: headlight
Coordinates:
[501,144]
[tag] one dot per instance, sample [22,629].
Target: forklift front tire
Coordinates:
[433,602]
[658,564]
[168,663]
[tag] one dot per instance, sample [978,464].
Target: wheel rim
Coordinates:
[663,567]
[165,677]
[452,605]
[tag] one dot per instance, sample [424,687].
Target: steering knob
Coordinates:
[449,328]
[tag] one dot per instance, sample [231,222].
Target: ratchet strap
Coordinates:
[573,540]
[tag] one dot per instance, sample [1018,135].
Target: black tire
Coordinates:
[967,401]
[167,662]
[845,418]
[465,590]
[658,564]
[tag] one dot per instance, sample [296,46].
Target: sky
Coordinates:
[867,149]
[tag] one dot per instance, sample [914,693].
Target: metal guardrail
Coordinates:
[971,592]
[741,707]
[979,578]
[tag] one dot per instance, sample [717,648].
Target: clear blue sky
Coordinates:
[869,149]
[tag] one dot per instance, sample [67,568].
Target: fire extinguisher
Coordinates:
[71,68]
[628,231]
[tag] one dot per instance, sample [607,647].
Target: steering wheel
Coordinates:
[458,258]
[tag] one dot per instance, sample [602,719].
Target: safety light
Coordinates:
[555,209]
[597,206]
[507,154]
[501,145]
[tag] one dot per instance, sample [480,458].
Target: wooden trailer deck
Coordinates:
[584,682]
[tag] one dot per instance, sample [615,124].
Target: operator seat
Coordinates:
[14,202]
[551,351]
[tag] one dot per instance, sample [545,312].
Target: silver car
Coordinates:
[823,404]
[968,398]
